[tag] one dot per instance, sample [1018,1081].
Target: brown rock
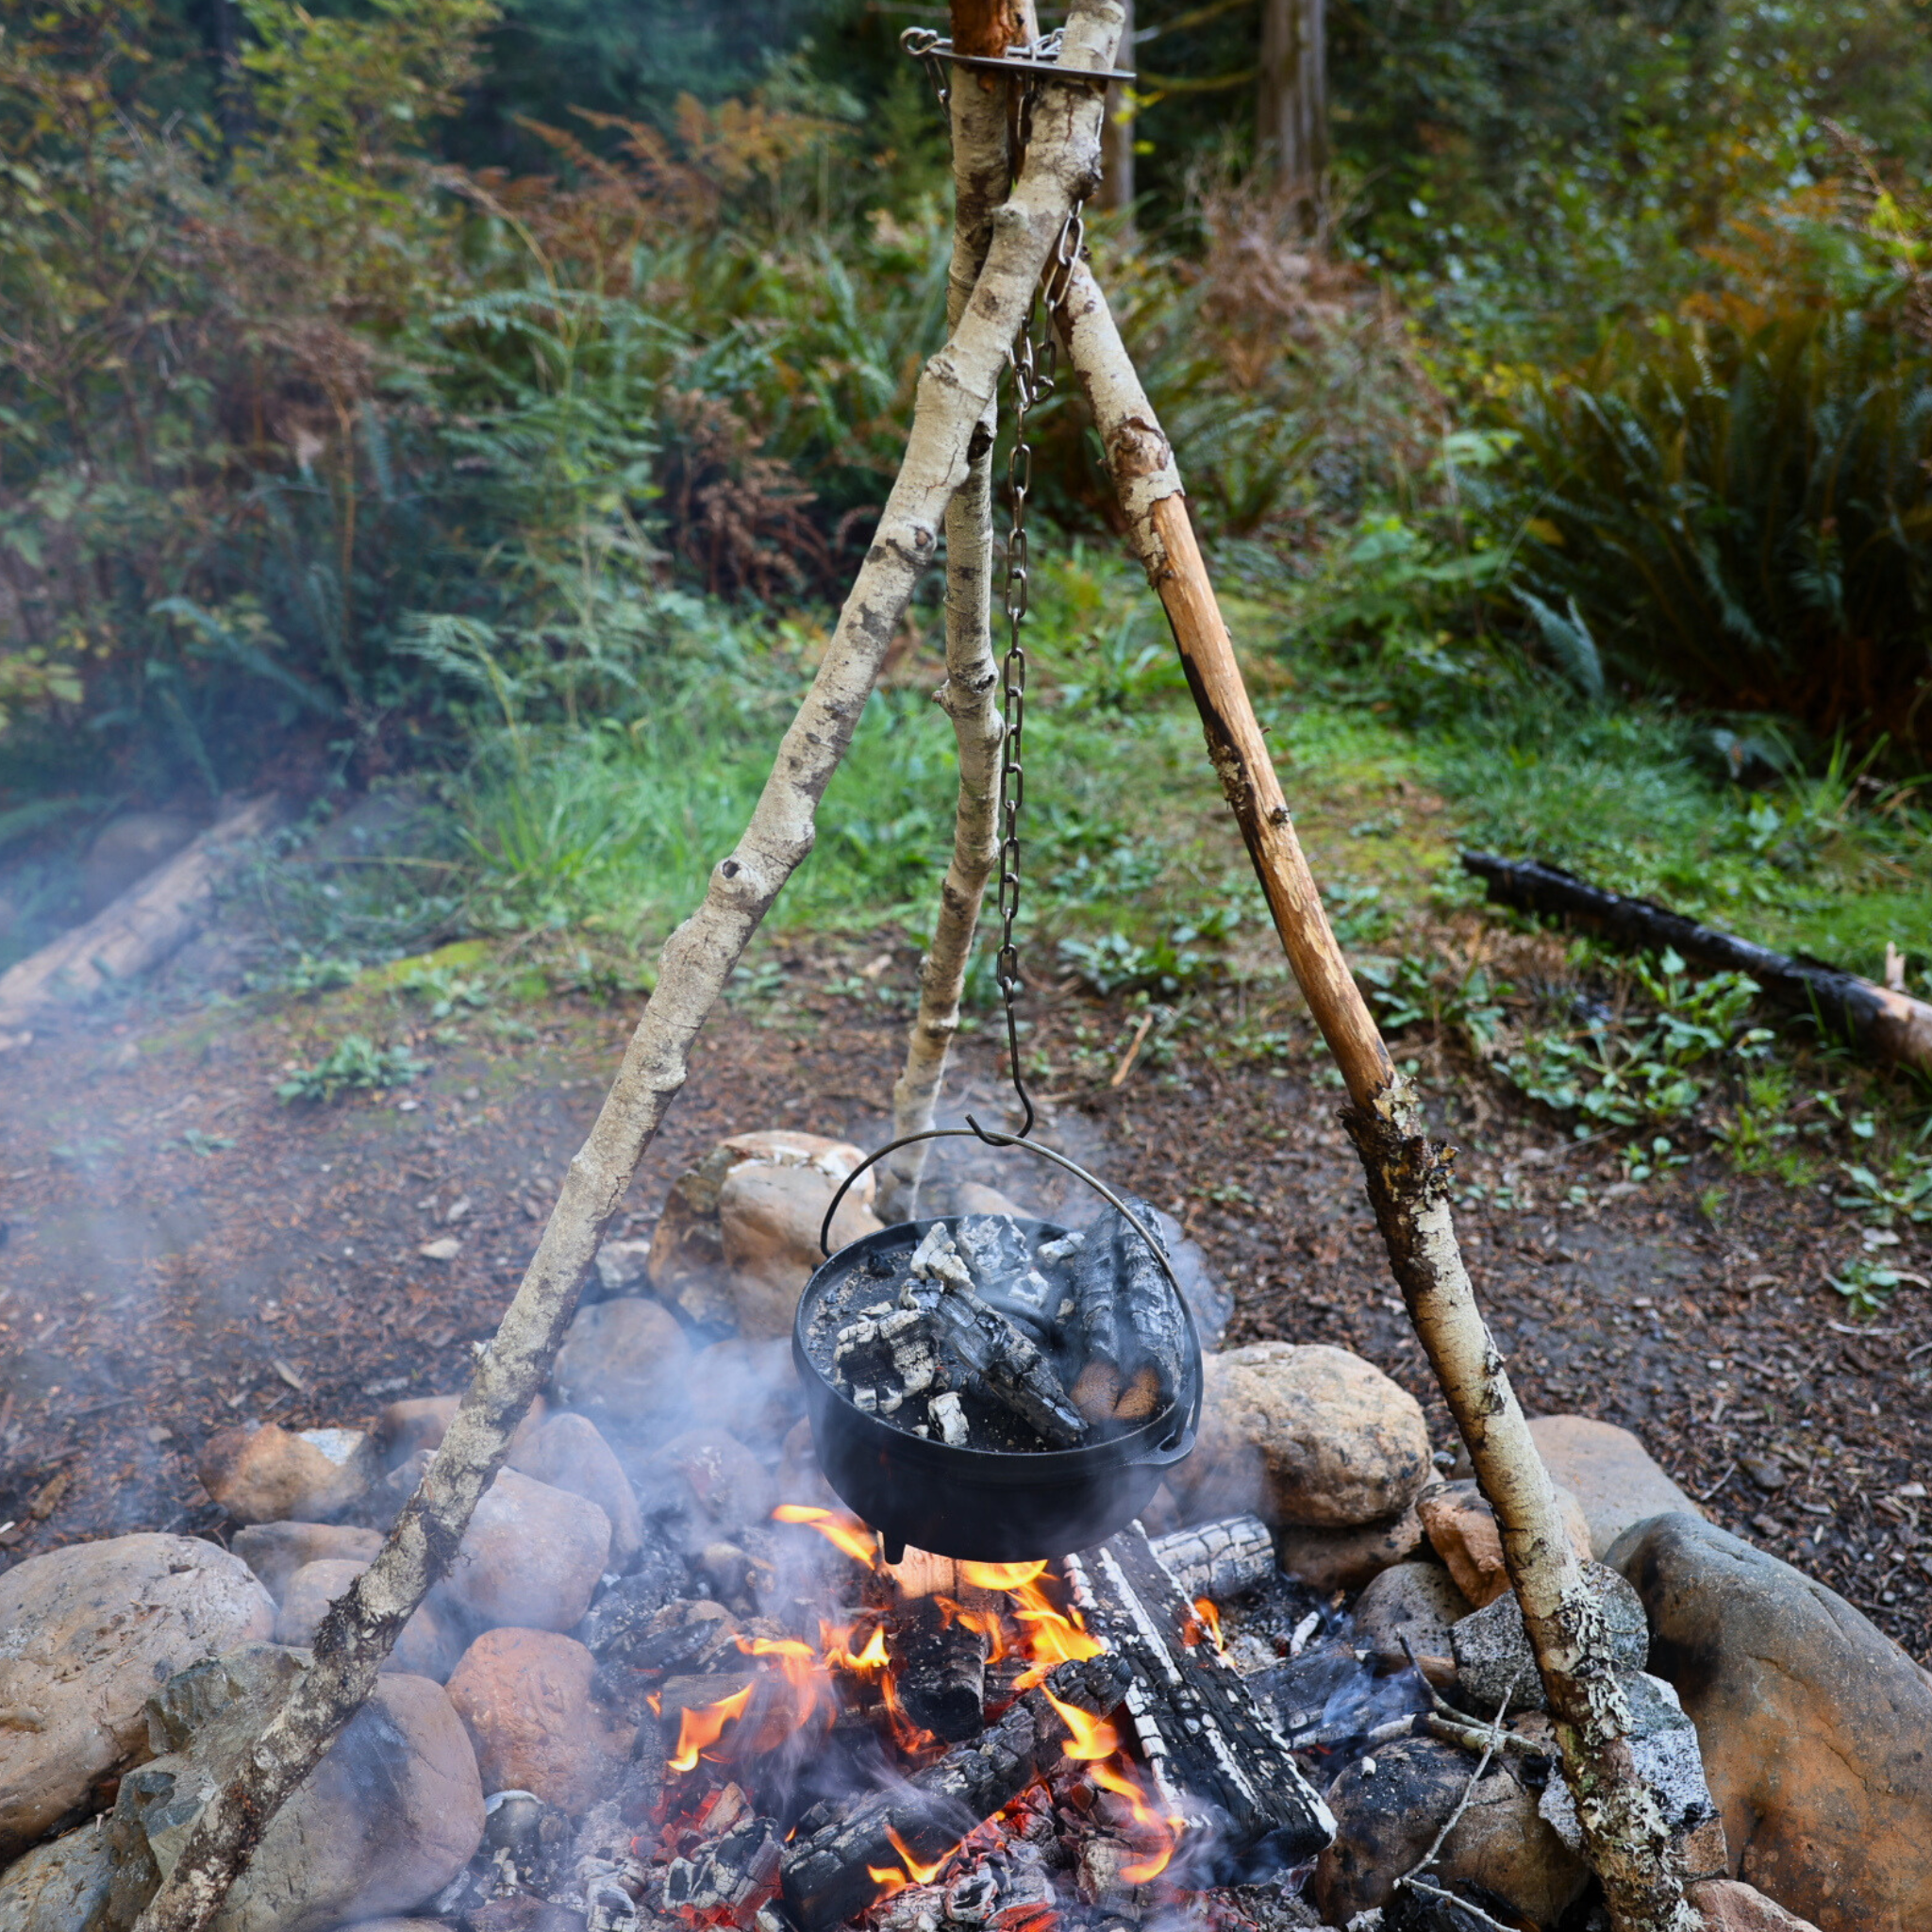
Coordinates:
[526,1695]
[422,1422]
[275,1551]
[265,1473]
[800,1478]
[1312,1436]
[1462,1529]
[1612,1475]
[1729,1905]
[1416,1601]
[1330,1559]
[85,1633]
[1388,1808]
[727,1479]
[530,1557]
[62,1886]
[769,1220]
[690,1265]
[389,1816]
[569,1454]
[627,1365]
[748,1389]
[1815,1728]
[426,1647]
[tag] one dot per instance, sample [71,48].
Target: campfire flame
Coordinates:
[704,1725]
[847,1532]
[1206,1624]
[891,1878]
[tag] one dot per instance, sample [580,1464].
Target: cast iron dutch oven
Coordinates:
[980,1504]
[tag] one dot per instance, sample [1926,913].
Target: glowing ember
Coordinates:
[847,1532]
[915,1872]
[1160,1831]
[704,1726]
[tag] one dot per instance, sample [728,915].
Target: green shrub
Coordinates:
[355,1063]
[1742,515]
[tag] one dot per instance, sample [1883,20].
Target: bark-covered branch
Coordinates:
[954,390]
[1623,1831]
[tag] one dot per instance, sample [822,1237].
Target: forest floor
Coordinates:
[180,1249]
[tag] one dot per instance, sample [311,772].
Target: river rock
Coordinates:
[1389,1807]
[85,1633]
[1816,1728]
[525,1697]
[729,1482]
[623,1268]
[1727,1905]
[1416,1601]
[261,1472]
[426,1647]
[569,1454]
[627,1365]
[1491,1648]
[696,1265]
[1303,1434]
[60,1887]
[275,1551]
[1462,1529]
[423,1421]
[1614,1478]
[531,1556]
[750,1389]
[389,1816]
[1331,1559]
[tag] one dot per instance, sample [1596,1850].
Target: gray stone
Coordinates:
[86,1632]
[1664,1746]
[1415,1601]
[569,1454]
[627,1365]
[1491,1648]
[531,1556]
[275,1551]
[426,1647]
[60,1887]
[621,1268]
[1817,1729]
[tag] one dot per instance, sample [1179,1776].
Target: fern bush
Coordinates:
[1741,511]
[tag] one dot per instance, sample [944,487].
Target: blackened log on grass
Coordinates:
[1889,1025]
[1219,1559]
[827,1878]
[939,1669]
[1215,1755]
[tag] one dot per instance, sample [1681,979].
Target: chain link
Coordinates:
[1034,361]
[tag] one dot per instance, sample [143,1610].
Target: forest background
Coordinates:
[485,405]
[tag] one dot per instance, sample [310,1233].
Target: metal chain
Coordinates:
[1034,361]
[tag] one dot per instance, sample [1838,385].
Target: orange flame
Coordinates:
[704,1725]
[915,1872]
[1094,1737]
[1163,1830]
[847,1532]
[1052,1637]
[1206,1621]
[1002,1575]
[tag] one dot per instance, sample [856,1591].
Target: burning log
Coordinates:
[1216,1757]
[1219,1559]
[939,1667]
[842,1868]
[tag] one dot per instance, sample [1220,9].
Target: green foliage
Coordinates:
[354,1064]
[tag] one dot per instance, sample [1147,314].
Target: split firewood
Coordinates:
[1216,1759]
[1219,1559]
[1885,1020]
[828,1876]
[1132,1328]
[1060,167]
[939,1667]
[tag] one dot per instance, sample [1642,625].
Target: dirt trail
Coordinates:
[157,1282]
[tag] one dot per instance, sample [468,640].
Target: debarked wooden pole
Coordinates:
[1408,1174]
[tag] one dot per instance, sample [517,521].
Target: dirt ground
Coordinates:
[179,1250]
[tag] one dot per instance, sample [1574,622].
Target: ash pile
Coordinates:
[992,1335]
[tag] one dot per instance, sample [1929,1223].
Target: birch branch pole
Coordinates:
[1408,1174]
[977,106]
[955,391]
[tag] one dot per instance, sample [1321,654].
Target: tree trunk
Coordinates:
[1117,142]
[1408,1174]
[954,390]
[977,106]
[1291,109]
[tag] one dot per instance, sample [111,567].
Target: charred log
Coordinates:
[1220,1560]
[1215,1755]
[1152,1316]
[828,1876]
[939,1669]
[1882,1021]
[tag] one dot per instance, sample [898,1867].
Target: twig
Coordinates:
[1475,1777]
[1474,1911]
[1704,1495]
[1126,1065]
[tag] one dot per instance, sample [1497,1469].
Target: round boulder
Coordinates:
[627,1365]
[275,1551]
[525,1697]
[569,1454]
[265,1473]
[531,1556]
[1416,1601]
[1304,1433]
[425,1647]
[90,1630]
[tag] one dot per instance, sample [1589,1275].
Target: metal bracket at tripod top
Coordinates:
[1038,61]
